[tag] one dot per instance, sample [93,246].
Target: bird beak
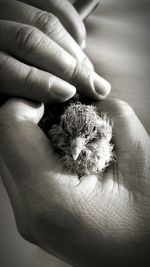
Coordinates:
[77,145]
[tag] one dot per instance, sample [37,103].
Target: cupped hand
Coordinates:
[99,220]
[39,54]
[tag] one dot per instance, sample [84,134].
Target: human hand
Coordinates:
[39,55]
[97,220]
[86,7]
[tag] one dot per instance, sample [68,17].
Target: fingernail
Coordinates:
[101,86]
[62,89]
[83,45]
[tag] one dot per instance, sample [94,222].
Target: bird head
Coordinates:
[81,125]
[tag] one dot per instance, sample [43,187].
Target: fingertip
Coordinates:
[89,82]
[72,21]
[85,8]
[101,86]
[61,91]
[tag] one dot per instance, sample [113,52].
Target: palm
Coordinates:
[111,200]
[106,206]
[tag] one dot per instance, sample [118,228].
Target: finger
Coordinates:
[23,142]
[19,79]
[32,171]
[126,123]
[85,8]
[114,107]
[19,109]
[67,15]
[17,123]
[46,22]
[132,142]
[35,48]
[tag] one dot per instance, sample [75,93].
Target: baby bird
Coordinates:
[82,138]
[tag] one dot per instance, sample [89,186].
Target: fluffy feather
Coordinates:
[82,138]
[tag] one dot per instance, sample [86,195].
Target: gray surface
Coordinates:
[119,45]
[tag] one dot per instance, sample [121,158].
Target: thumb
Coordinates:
[132,143]
[16,109]
[23,145]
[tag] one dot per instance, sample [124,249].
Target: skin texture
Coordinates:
[94,221]
[40,52]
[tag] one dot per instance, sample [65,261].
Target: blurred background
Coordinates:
[118,43]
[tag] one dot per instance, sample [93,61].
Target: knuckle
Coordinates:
[72,70]
[48,23]
[79,73]
[27,38]
[52,79]
[30,78]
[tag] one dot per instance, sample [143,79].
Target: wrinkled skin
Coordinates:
[41,56]
[95,221]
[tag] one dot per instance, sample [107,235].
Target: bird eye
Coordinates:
[94,128]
